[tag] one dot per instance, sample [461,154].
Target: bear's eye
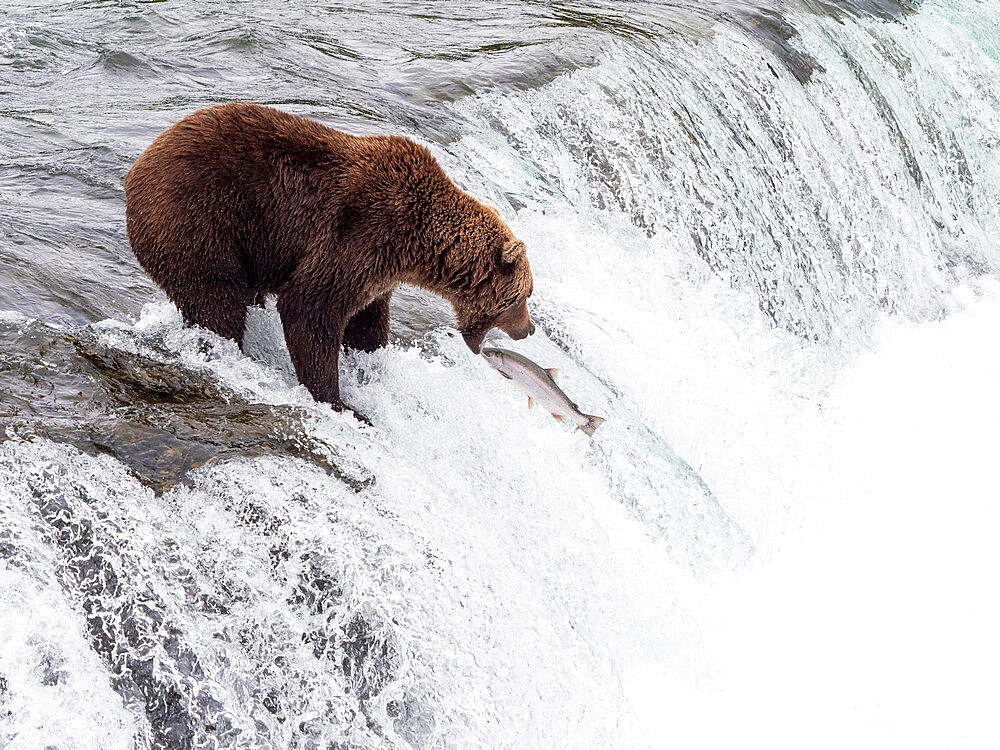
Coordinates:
[511,303]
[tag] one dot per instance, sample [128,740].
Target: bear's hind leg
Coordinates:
[220,308]
[368,329]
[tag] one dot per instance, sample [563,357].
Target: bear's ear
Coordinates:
[511,251]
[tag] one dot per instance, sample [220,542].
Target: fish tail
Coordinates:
[591,424]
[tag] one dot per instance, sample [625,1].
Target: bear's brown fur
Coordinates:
[239,201]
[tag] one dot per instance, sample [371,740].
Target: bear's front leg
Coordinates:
[368,328]
[313,335]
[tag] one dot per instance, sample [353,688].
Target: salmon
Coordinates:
[540,385]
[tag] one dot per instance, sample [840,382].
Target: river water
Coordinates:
[766,248]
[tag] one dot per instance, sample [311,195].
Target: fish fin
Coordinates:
[531,402]
[560,417]
[591,424]
[505,375]
[552,371]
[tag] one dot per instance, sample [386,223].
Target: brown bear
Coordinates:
[239,201]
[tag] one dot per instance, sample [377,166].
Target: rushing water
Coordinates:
[725,205]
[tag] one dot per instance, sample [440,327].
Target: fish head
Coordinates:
[493,356]
[497,360]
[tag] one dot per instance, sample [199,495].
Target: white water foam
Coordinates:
[54,689]
[875,625]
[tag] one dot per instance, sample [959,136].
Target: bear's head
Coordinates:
[486,274]
[500,300]
[465,252]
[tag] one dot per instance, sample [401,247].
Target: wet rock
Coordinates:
[775,33]
[159,418]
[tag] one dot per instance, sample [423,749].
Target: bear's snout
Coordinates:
[516,322]
[517,335]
